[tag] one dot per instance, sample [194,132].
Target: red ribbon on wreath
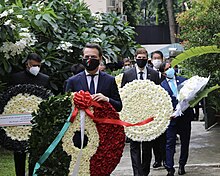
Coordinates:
[83,100]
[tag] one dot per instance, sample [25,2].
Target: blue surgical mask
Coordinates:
[170,73]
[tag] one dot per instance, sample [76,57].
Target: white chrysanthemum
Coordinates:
[118,79]
[21,103]
[143,99]
[92,145]
[191,87]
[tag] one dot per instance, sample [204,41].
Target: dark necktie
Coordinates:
[141,75]
[92,85]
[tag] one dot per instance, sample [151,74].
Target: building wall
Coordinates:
[97,5]
[104,6]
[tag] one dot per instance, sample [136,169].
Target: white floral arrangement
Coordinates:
[188,91]
[66,46]
[21,103]
[93,143]
[118,79]
[143,99]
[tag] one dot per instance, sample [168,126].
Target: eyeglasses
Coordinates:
[139,57]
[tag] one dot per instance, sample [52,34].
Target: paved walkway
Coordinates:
[204,156]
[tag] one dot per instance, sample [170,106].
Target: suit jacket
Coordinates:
[106,85]
[166,86]
[131,75]
[188,113]
[24,77]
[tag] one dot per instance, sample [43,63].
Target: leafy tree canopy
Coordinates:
[57,30]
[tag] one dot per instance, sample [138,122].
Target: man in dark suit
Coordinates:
[159,144]
[140,72]
[178,125]
[101,86]
[32,74]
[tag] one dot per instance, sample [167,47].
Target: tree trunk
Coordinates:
[171,19]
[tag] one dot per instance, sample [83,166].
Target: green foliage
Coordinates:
[132,10]
[7,167]
[200,24]
[58,30]
[202,95]
[195,51]
[200,27]
[55,112]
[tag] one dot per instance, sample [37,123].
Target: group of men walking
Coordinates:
[102,87]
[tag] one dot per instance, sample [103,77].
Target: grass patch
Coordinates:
[7,167]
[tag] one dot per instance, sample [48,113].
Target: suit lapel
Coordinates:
[134,74]
[101,81]
[148,73]
[168,88]
[83,81]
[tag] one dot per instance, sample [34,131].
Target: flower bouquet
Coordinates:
[143,99]
[188,90]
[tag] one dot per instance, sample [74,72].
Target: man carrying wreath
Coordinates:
[141,72]
[101,85]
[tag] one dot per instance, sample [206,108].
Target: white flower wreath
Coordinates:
[21,103]
[143,99]
[88,151]
[118,79]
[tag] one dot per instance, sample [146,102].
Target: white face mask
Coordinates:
[156,63]
[127,67]
[34,70]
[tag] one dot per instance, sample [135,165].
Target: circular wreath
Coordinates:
[143,99]
[23,98]
[102,152]
[118,79]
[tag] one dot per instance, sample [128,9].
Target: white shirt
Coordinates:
[160,75]
[89,78]
[144,72]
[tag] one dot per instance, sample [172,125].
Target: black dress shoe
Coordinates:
[181,170]
[170,173]
[156,165]
[164,164]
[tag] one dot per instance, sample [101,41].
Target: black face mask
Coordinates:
[141,62]
[90,64]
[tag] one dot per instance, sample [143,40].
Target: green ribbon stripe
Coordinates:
[52,145]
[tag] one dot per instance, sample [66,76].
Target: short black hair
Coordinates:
[94,45]
[162,67]
[157,52]
[34,56]
[77,68]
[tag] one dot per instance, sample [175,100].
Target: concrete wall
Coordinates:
[97,5]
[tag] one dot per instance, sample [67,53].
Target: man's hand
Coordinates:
[99,97]
[172,117]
